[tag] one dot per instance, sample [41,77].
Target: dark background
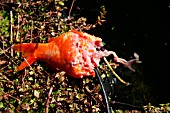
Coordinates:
[140,26]
[144,27]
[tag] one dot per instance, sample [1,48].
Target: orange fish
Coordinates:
[76,53]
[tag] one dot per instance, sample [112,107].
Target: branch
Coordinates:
[117,76]
[71,8]
[48,100]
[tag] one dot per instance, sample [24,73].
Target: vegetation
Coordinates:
[38,88]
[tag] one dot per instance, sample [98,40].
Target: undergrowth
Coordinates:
[37,88]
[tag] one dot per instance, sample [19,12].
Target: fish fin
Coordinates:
[28,52]
[79,33]
[51,39]
[28,61]
[25,47]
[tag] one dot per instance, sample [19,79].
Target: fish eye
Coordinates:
[100,48]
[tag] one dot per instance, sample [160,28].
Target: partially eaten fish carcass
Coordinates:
[76,53]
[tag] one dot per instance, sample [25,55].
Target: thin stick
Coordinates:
[48,100]
[12,106]
[117,76]
[30,66]
[17,36]
[71,7]
[31,29]
[3,52]
[6,78]
[11,37]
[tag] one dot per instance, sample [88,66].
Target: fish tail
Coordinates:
[28,52]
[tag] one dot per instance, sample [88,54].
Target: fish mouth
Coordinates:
[88,51]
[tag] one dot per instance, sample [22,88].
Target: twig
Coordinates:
[14,98]
[30,66]
[12,106]
[71,8]
[7,55]
[117,76]
[48,100]
[31,29]
[130,106]
[3,51]
[4,5]
[18,27]
[11,36]
[6,78]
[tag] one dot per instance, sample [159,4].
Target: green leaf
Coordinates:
[52,105]
[31,13]
[36,94]
[80,96]
[98,17]
[113,28]
[103,43]
[32,101]
[6,34]
[37,85]
[25,27]
[31,72]
[18,54]
[103,76]
[30,78]
[168,108]
[61,3]
[1,105]
[69,89]
[20,89]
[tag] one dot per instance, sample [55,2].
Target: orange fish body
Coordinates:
[74,52]
[67,52]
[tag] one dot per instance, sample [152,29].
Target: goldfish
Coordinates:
[77,53]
